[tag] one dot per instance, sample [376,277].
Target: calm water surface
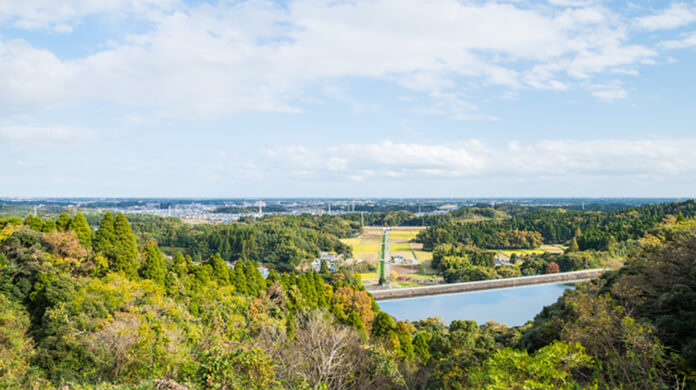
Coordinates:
[513,306]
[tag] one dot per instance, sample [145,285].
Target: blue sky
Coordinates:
[373,98]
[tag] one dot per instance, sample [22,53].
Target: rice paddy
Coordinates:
[401,243]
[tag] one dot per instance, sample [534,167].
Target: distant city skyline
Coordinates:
[378,98]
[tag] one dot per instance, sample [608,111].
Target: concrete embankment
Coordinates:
[393,293]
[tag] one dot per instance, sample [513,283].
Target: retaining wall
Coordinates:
[484,284]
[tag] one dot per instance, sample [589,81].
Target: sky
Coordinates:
[347,98]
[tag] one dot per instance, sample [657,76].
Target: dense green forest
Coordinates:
[528,227]
[279,241]
[105,308]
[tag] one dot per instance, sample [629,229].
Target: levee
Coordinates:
[393,293]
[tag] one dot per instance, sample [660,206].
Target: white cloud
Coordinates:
[31,136]
[679,14]
[215,59]
[651,158]
[62,15]
[688,41]
[573,3]
[609,92]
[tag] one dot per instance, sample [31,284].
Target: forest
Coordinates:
[102,306]
[528,227]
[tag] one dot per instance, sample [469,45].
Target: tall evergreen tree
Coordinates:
[254,279]
[63,221]
[125,250]
[240,283]
[179,265]
[273,276]
[221,271]
[324,269]
[573,247]
[105,238]
[319,285]
[49,226]
[34,223]
[80,226]
[153,266]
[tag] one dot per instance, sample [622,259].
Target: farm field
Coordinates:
[368,275]
[556,249]
[401,244]
[367,247]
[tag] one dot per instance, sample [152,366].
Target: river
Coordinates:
[512,306]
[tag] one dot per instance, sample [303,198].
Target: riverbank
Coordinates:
[393,293]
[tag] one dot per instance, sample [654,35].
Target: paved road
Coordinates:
[384,261]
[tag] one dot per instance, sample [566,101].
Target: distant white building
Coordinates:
[331,261]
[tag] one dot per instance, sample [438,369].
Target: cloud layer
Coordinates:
[552,159]
[216,59]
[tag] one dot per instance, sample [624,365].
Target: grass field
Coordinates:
[520,252]
[366,246]
[395,246]
[403,235]
[423,255]
[557,249]
[368,275]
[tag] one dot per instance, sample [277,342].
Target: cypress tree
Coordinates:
[221,271]
[321,290]
[272,277]
[105,238]
[153,267]
[63,221]
[290,325]
[573,247]
[49,226]
[324,269]
[34,223]
[260,281]
[357,323]
[249,275]
[179,266]
[680,218]
[240,282]
[125,247]
[80,226]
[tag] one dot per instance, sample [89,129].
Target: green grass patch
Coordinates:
[405,247]
[367,275]
[405,235]
[423,255]
[520,252]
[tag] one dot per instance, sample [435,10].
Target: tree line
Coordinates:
[528,227]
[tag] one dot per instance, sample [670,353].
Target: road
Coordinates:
[384,261]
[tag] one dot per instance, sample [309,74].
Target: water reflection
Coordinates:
[513,306]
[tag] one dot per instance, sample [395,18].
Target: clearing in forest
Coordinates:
[366,246]
[401,243]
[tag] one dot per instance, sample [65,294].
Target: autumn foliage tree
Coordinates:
[552,268]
